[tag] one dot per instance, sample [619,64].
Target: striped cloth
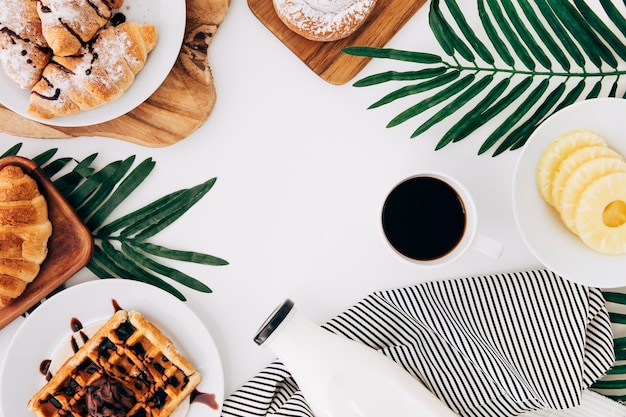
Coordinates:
[496,345]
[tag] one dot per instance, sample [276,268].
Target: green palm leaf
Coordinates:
[122,247]
[401,76]
[544,35]
[412,89]
[614,382]
[161,251]
[517,138]
[70,181]
[123,190]
[133,222]
[44,157]
[471,120]
[509,33]
[434,100]
[565,49]
[458,102]
[468,32]
[141,258]
[80,195]
[560,32]
[492,34]
[446,35]
[12,151]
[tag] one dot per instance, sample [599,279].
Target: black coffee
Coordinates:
[424,218]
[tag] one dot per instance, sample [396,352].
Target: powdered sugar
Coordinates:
[111,52]
[20,16]
[78,15]
[324,19]
[22,44]
[331,6]
[14,63]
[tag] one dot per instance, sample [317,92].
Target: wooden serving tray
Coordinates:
[326,58]
[181,104]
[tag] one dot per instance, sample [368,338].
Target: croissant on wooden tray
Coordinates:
[102,72]
[24,232]
[24,51]
[67,25]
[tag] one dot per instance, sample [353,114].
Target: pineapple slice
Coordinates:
[559,149]
[601,214]
[573,161]
[582,177]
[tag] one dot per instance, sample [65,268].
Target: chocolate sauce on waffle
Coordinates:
[125,373]
[204,398]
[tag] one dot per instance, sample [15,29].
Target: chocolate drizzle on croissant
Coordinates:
[68,25]
[24,51]
[103,71]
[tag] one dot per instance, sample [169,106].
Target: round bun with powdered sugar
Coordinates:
[323,20]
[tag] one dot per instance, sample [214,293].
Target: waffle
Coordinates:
[127,358]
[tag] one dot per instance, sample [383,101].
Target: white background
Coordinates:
[303,168]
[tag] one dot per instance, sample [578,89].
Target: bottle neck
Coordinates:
[295,339]
[274,321]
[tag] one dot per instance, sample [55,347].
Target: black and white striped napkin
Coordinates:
[489,346]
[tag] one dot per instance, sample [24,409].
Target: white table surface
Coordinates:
[302,170]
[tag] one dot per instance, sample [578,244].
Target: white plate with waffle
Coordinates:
[49,332]
[540,225]
[169,17]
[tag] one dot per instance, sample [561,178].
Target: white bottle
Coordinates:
[343,378]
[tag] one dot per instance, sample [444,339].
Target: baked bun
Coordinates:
[24,232]
[323,20]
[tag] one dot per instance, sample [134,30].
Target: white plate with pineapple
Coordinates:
[572,214]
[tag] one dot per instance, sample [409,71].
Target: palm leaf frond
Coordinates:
[412,89]
[429,102]
[567,44]
[12,151]
[613,383]
[468,32]
[474,119]
[123,190]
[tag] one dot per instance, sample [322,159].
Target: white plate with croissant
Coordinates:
[80,63]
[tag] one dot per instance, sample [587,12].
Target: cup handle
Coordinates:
[487,246]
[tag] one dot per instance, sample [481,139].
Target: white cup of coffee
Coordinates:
[430,219]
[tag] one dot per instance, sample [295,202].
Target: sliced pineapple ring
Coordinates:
[601,214]
[559,149]
[573,161]
[582,177]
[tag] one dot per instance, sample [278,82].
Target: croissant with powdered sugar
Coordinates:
[68,25]
[102,72]
[24,51]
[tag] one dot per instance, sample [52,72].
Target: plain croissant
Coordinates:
[103,71]
[24,51]
[24,232]
[67,25]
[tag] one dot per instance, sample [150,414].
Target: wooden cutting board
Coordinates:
[326,58]
[180,106]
